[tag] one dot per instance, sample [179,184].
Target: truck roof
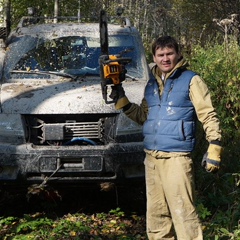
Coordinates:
[53,30]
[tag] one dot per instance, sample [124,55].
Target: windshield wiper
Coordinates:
[83,72]
[56,73]
[131,77]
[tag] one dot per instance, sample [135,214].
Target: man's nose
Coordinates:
[165,57]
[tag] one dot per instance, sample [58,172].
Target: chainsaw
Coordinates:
[112,67]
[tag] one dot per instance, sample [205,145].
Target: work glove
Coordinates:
[118,96]
[212,158]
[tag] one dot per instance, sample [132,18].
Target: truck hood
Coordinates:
[62,97]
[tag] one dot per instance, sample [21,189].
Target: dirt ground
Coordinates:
[60,201]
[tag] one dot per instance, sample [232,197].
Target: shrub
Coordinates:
[219,194]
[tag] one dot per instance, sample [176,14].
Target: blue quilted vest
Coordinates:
[171,122]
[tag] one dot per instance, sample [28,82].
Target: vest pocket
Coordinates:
[181,130]
[188,129]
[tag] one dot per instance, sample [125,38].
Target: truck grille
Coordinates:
[92,130]
[60,129]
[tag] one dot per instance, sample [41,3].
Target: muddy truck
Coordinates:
[55,126]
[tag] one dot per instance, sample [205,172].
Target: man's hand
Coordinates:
[118,95]
[212,158]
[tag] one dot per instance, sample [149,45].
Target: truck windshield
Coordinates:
[75,55]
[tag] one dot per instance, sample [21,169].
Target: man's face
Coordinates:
[166,59]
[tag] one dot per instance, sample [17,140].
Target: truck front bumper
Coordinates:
[112,162]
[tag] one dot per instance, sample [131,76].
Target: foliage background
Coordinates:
[208,32]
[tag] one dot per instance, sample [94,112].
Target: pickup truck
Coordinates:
[54,124]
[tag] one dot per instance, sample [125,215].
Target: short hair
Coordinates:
[165,41]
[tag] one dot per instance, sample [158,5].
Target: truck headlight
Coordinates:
[11,129]
[127,127]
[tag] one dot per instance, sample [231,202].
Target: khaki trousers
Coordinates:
[170,199]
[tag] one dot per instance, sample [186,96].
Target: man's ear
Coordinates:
[180,56]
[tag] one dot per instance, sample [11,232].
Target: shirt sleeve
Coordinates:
[138,113]
[201,99]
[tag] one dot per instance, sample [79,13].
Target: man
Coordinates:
[174,99]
